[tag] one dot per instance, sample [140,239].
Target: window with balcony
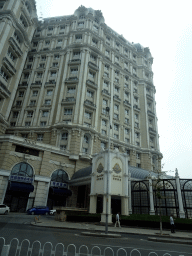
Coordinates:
[59,41]
[91,74]
[126,95]
[106,74]
[43,123]
[43,58]
[116,89]
[21,94]
[103,145]
[90,94]
[62,27]
[105,102]
[35,93]
[80,24]
[23,21]
[4,75]
[17,38]
[87,115]
[68,111]
[126,131]
[53,73]
[32,102]
[18,103]
[45,113]
[136,125]
[55,64]
[50,29]
[64,136]
[27,123]
[56,57]
[11,55]
[78,38]
[41,65]
[71,90]
[93,57]
[15,114]
[39,75]
[29,113]
[74,71]
[76,55]
[116,107]
[116,116]
[126,112]
[116,127]
[94,41]
[39,137]
[116,72]
[104,122]
[126,120]
[137,135]
[47,102]
[106,84]
[136,116]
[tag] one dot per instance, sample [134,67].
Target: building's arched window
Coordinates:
[59,176]
[64,136]
[22,169]
[86,139]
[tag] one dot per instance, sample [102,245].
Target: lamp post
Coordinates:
[107,187]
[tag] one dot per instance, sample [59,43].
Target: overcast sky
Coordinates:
[166,28]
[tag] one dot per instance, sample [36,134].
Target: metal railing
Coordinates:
[37,248]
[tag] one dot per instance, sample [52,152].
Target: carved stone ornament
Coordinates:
[98,13]
[100,168]
[117,168]
[81,9]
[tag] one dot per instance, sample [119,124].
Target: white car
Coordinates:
[52,212]
[4,209]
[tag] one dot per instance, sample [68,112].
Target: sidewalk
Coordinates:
[98,230]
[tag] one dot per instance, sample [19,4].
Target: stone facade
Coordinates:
[55,86]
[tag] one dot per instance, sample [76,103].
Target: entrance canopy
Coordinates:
[21,187]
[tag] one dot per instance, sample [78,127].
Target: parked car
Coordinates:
[4,209]
[52,212]
[38,210]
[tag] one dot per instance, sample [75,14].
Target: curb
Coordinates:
[154,236]
[101,235]
[165,240]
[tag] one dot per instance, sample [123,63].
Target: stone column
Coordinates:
[124,205]
[130,203]
[93,204]
[3,187]
[132,114]
[97,115]
[41,193]
[152,210]
[180,200]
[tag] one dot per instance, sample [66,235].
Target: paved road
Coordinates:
[18,225]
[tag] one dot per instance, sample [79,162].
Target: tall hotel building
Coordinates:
[57,77]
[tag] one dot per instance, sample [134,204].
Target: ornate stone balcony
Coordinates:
[150,113]
[89,104]
[104,91]
[72,79]
[93,66]
[74,61]
[14,44]
[9,66]
[152,130]
[116,97]
[4,91]
[136,107]
[126,102]
[149,96]
[92,84]
[69,100]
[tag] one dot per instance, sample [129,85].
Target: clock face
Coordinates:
[100,168]
[117,168]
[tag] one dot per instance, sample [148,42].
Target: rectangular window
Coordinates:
[39,137]
[53,74]
[21,94]
[116,89]
[103,145]
[126,131]
[68,111]
[56,57]
[11,56]
[93,58]
[126,120]
[27,123]
[74,71]
[137,135]
[26,75]
[116,116]
[43,58]
[45,113]
[106,74]
[41,65]
[49,92]
[47,42]
[78,38]
[90,94]
[43,123]
[85,150]
[80,24]
[116,127]
[126,95]
[136,116]
[116,107]
[138,155]
[29,66]
[29,113]
[15,114]
[64,136]
[35,93]
[71,90]
[18,103]
[104,122]
[106,52]
[126,140]
[94,41]
[55,64]
[104,102]
[39,75]
[76,54]
[116,136]
[63,147]
[103,132]
[13,123]
[87,115]
[91,74]
[50,29]
[32,102]
[126,112]
[47,102]
[106,84]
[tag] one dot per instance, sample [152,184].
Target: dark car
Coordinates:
[38,210]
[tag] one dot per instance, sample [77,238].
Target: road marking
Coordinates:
[141,248]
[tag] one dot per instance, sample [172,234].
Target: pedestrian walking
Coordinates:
[172,224]
[117,220]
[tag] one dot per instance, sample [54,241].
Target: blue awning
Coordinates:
[61,191]
[21,187]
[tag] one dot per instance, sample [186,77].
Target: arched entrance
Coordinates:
[58,191]
[19,187]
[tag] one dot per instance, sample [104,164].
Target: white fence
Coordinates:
[47,249]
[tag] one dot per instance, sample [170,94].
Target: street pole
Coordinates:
[107,188]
